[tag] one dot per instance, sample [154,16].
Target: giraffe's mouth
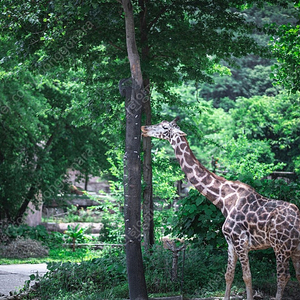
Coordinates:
[144,131]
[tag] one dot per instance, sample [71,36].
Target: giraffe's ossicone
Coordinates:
[252,221]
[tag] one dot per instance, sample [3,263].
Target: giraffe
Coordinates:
[252,221]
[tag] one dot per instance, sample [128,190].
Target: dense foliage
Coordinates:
[60,65]
[60,109]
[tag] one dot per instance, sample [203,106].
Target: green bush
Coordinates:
[55,239]
[199,219]
[107,275]
[112,230]
[158,265]
[10,232]
[88,277]
[202,269]
[75,234]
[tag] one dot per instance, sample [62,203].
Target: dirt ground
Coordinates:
[291,292]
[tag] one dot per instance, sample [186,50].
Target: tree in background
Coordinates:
[39,137]
[284,44]
[252,75]
[177,40]
[73,55]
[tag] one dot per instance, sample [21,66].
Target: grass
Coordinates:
[56,255]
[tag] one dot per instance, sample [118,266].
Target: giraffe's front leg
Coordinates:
[247,275]
[237,247]
[241,249]
[229,276]
[296,263]
[283,274]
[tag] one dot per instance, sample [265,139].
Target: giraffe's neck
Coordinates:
[221,192]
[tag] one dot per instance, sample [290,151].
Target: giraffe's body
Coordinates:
[252,221]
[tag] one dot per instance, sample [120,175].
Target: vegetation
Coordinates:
[97,274]
[75,234]
[226,69]
[87,274]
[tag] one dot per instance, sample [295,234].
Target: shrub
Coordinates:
[10,232]
[55,239]
[158,265]
[75,234]
[199,219]
[105,277]
[24,248]
[112,230]
[97,275]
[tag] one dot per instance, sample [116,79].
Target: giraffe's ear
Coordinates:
[175,120]
[175,127]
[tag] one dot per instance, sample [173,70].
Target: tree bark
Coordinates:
[148,224]
[132,166]
[29,197]
[33,190]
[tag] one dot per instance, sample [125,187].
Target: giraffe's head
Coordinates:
[164,130]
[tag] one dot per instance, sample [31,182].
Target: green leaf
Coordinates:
[199,201]
[32,277]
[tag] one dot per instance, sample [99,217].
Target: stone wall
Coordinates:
[33,215]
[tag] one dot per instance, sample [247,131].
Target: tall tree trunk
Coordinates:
[33,190]
[29,197]
[148,224]
[86,182]
[132,166]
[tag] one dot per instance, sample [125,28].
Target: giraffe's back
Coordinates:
[264,223]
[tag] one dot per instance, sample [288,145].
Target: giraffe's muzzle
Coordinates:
[144,131]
